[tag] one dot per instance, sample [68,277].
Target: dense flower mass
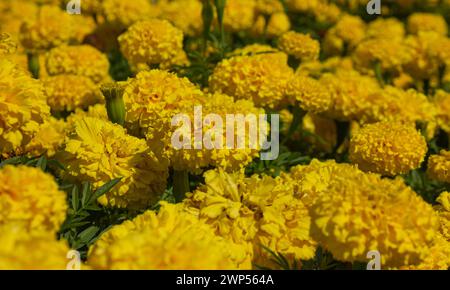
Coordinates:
[388,148]
[31,197]
[224,134]
[99,151]
[155,241]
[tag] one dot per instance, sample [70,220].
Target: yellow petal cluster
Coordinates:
[22,105]
[31,197]
[439,166]
[262,78]
[99,151]
[388,148]
[68,92]
[151,42]
[168,240]
[302,46]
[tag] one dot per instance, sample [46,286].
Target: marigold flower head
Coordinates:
[268,7]
[185,15]
[68,92]
[442,102]
[48,139]
[391,55]
[151,42]
[350,93]
[227,159]
[31,197]
[36,250]
[123,14]
[394,104]
[418,22]
[324,132]
[278,24]
[239,15]
[425,62]
[388,148]
[99,151]
[353,212]
[82,60]
[153,97]
[438,258]
[254,211]
[346,34]
[302,46]
[262,78]
[52,27]
[169,239]
[386,28]
[302,5]
[309,92]
[439,166]
[96,111]
[23,106]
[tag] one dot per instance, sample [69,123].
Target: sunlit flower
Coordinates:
[439,166]
[99,151]
[302,46]
[31,197]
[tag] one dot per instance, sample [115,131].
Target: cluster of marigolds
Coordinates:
[385,78]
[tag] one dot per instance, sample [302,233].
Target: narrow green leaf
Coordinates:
[86,194]
[75,198]
[88,234]
[105,188]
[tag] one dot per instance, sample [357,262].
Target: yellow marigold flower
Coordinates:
[268,7]
[23,107]
[85,25]
[302,46]
[262,78]
[82,60]
[7,45]
[125,13]
[438,258]
[427,22]
[327,13]
[38,250]
[316,68]
[444,214]
[350,93]
[96,111]
[52,27]
[278,24]
[151,42]
[442,102]
[68,92]
[239,15]
[393,104]
[255,48]
[345,35]
[355,212]
[310,94]
[171,239]
[99,151]
[439,166]
[13,13]
[391,55]
[185,15]
[31,197]
[388,148]
[302,5]
[386,28]
[254,211]
[48,139]
[228,159]
[425,62]
[153,97]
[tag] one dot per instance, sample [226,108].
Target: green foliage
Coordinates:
[86,220]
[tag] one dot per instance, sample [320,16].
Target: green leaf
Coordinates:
[86,194]
[75,198]
[42,163]
[88,234]
[14,161]
[105,188]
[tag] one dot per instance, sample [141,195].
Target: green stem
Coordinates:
[33,64]
[180,184]
[379,73]
[115,105]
